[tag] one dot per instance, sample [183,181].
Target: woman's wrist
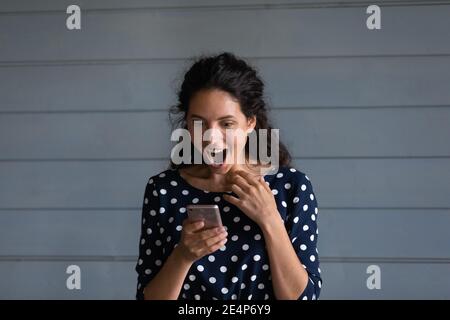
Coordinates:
[180,257]
[271,221]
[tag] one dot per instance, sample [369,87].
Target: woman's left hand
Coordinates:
[255,198]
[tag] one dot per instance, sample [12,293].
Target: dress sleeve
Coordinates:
[303,232]
[150,242]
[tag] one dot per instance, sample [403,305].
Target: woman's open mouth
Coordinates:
[217,157]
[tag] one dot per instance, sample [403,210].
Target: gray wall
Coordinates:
[83,126]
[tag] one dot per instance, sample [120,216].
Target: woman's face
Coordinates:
[217,110]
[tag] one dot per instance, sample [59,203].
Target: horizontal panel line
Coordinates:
[122,61]
[272,109]
[262,6]
[167,159]
[97,258]
[321,208]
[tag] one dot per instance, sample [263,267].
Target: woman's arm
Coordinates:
[166,285]
[289,278]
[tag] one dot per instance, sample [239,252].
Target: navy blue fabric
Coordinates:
[240,269]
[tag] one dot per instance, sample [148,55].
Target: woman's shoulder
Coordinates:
[164,178]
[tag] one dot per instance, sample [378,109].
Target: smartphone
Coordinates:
[208,212]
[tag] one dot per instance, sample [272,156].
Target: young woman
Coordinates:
[266,248]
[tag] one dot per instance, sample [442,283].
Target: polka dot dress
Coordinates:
[240,270]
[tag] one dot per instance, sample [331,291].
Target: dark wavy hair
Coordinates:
[235,76]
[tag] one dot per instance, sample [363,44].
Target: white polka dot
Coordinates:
[211,258]
[150,181]
[295,219]
[234,279]
[245,247]
[145,200]
[305,298]
[178,228]
[200,268]
[174,183]
[203,287]
[158,262]
[303,187]
[247,227]
[293,240]
[148,271]
[162,210]
[265,267]
[274,192]
[307,178]
[185,192]
[212,279]
[217,199]
[296,199]
[170,219]
[223,269]
[256,257]
[250,297]
[305,207]
[226,209]
[155,193]
[148,252]
[284,204]
[140,261]
[234,238]
[313,217]
[149,231]
[236,219]
[287,186]
[312,258]
[233,296]
[142,241]
[261,286]
[305,227]
[242,285]
[253,277]
[314,296]
[244,266]
[161,230]
[311,196]
[316,211]
[279,175]
[168,238]
[292,170]
[163,191]
[223,248]
[162,175]
[319,270]
[186,286]
[303,247]
[173,200]
[182,209]
[234,258]
[152,212]
[266,297]
[192,277]
[195,200]
[312,237]
[257,236]
[224,290]
[143,221]
[197,297]
[320,284]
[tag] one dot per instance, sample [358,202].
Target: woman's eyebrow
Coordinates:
[221,118]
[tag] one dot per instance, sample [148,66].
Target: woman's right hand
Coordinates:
[196,242]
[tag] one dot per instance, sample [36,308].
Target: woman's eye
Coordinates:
[228,124]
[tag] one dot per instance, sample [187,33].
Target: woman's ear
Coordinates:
[251,124]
